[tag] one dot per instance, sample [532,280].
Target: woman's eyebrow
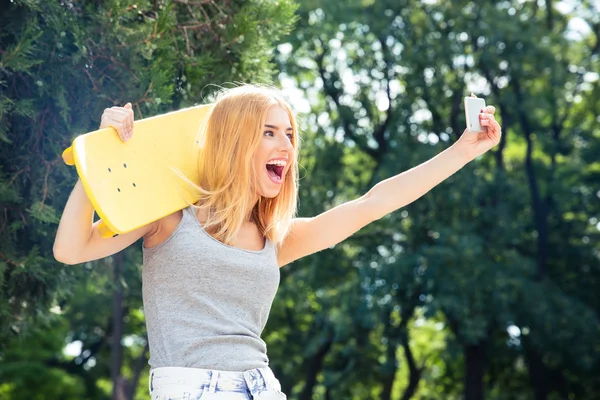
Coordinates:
[276,127]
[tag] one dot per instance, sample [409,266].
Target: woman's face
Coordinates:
[275,154]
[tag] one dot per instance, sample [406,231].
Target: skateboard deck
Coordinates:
[133,183]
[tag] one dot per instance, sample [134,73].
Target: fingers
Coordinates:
[121,119]
[489,110]
[485,118]
[489,121]
[495,126]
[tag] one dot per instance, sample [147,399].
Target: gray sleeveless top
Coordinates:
[207,303]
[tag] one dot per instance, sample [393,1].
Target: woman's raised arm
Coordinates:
[310,235]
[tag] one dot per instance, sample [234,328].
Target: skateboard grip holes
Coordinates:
[109,170]
[119,190]
[124,165]
[134,185]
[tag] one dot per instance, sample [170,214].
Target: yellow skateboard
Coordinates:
[134,183]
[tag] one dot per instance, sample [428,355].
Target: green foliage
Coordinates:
[61,65]
[503,257]
[505,252]
[33,362]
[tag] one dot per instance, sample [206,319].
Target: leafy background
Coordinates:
[487,287]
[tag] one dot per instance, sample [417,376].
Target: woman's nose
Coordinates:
[285,143]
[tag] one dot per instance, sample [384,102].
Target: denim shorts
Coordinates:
[177,383]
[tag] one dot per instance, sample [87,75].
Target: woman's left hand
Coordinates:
[474,144]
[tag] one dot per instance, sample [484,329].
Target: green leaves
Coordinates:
[20,56]
[44,213]
[61,65]
[492,248]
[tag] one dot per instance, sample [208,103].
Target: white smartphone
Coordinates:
[473,107]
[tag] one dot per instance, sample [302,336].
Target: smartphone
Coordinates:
[473,107]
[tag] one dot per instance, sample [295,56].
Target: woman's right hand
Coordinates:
[120,118]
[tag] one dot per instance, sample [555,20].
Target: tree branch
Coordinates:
[539,208]
[334,94]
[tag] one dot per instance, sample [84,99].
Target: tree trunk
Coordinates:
[475,365]
[116,352]
[414,371]
[314,366]
[389,375]
[540,212]
[140,363]
[537,373]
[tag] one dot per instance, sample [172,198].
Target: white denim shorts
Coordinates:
[177,383]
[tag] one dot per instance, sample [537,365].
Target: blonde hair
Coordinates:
[228,179]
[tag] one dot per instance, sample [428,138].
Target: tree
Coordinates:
[61,64]
[497,251]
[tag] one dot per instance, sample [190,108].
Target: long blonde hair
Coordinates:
[228,179]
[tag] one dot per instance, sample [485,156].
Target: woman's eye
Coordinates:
[269,133]
[290,136]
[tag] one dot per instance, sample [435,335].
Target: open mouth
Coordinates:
[275,170]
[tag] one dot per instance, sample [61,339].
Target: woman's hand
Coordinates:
[120,118]
[474,144]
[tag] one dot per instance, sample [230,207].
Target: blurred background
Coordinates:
[486,288]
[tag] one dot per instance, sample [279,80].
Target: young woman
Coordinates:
[211,271]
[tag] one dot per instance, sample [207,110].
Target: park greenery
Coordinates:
[488,287]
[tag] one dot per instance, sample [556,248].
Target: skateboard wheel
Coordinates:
[105,231]
[67,156]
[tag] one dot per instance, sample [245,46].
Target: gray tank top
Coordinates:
[206,303]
